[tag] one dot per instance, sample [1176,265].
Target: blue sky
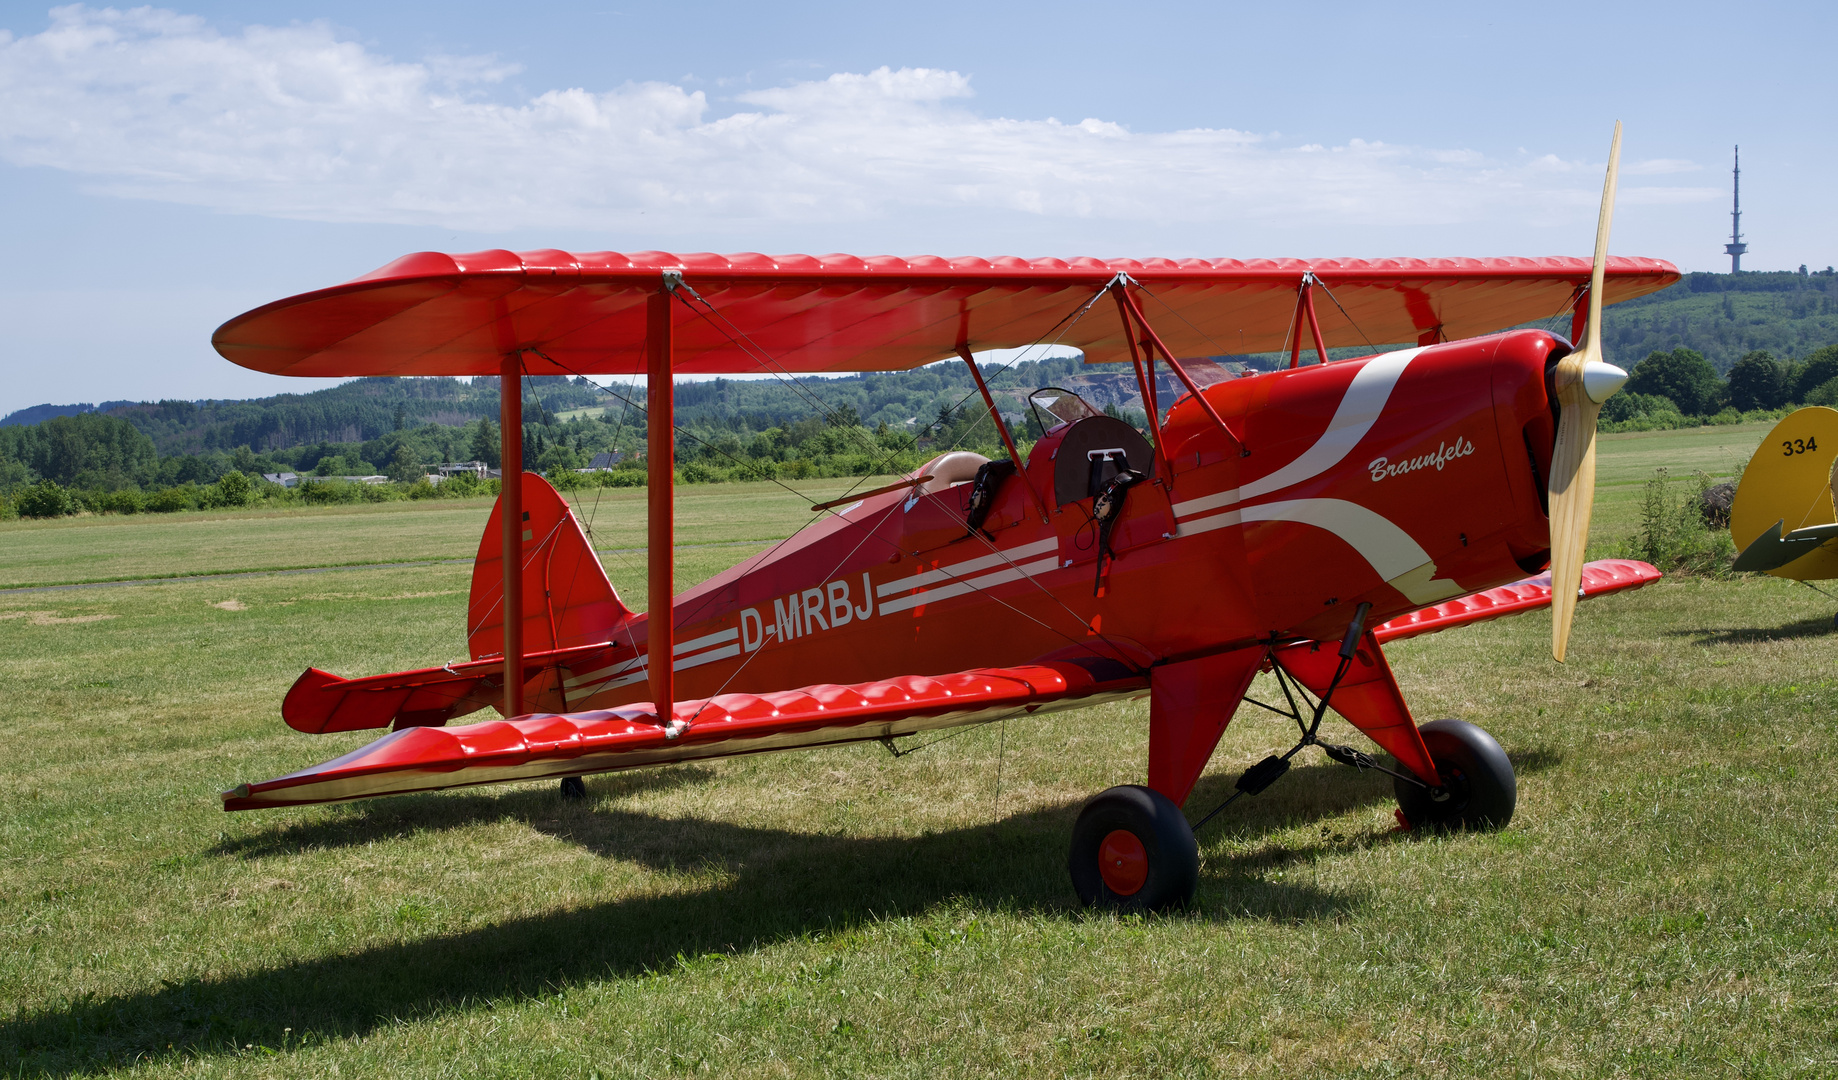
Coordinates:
[166,168]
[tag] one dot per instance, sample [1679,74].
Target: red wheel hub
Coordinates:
[1123,863]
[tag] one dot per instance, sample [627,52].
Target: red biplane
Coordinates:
[1290,522]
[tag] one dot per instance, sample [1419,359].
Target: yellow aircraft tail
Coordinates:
[1784,520]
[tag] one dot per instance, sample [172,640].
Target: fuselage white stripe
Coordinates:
[1208,524]
[705,641]
[968,566]
[678,651]
[945,592]
[1207,502]
[644,672]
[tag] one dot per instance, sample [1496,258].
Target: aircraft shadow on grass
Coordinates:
[781,885]
[1750,635]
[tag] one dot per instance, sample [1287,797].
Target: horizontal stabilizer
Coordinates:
[1771,550]
[321,703]
[1600,578]
[551,745]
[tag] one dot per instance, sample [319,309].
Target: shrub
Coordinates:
[45,499]
[1759,381]
[377,493]
[125,501]
[566,479]
[328,492]
[1640,412]
[1820,367]
[171,500]
[1826,393]
[1714,504]
[1682,375]
[1673,533]
[463,486]
[422,489]
[231,489]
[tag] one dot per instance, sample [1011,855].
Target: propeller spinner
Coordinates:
[1583,382]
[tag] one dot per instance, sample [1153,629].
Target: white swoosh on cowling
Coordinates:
[1401,561]
[1388,548]
[1359,410]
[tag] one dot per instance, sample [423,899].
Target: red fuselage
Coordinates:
[1397,480]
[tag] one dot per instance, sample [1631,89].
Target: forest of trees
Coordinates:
[1715,348]
[177,455]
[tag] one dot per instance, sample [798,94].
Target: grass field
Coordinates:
[1664,903]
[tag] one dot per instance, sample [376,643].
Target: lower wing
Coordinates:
[548,745]
[1600,578]
[542,746]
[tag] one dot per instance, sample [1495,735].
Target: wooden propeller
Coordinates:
[1583,382]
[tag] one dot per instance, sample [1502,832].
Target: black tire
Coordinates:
[1476,775]
[573,787]
[1164,867]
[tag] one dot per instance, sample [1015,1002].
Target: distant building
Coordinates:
[604,461]
[454,468]
[287,479]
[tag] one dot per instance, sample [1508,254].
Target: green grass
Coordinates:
[111,548]
[1662,905]
[1626,461]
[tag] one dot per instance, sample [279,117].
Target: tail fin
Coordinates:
[567,600]
[1784,509]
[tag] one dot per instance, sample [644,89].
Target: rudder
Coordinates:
[567,599]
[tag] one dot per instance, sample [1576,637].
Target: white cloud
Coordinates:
[294,122]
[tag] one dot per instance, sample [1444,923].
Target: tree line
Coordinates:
[178,455]
[1680,386]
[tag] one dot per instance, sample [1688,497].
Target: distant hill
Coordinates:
[1723,316]
[38,414]
[1726,316]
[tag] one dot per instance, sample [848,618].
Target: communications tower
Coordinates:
[1736,247]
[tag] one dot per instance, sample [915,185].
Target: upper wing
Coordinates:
[436,314]
[1599,578]
[534,747]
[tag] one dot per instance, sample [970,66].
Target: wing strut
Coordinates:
[660,452]
[1305,309]
[1001,427]
[1132,308]
[510,496]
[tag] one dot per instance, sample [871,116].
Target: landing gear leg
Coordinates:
[573,787]
[1478,792]
[1132,851]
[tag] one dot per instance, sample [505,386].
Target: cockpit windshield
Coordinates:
[1054,406]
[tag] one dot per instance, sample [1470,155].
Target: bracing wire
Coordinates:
[1346,316]
[750,347]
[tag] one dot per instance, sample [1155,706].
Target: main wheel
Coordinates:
[1132,850]
[1479,791]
